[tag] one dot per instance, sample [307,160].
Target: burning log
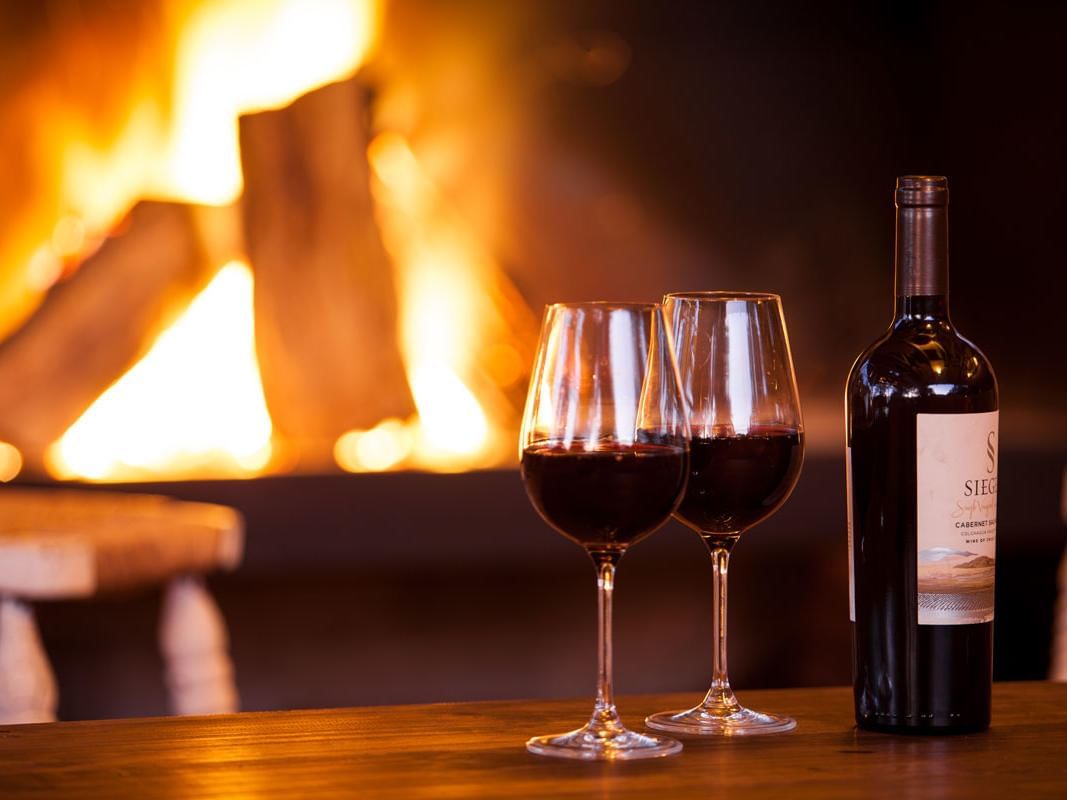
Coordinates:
[94,326]
[324,294]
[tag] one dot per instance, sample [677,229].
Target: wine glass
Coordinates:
[604,460]
[745,456]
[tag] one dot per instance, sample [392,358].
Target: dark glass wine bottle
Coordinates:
[921,418]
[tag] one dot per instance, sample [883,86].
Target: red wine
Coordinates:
[608,498]
[737,481]
[921,406]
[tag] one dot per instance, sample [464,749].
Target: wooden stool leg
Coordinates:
[27,685]
[192,638]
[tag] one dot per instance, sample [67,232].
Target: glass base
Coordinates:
[613,744]
[709,721]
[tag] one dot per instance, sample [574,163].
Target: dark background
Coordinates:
[772,132]
[766,137]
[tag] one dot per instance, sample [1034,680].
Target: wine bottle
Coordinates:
[921,476]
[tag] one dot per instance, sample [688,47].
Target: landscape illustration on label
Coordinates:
[955,585]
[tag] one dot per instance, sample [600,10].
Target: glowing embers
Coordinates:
[10,462]
[383,447]
[448,432]
[192,407]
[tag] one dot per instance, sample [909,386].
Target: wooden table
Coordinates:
[476,750]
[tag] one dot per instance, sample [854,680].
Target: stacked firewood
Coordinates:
[324,295]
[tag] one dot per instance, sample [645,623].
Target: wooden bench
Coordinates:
[65,544]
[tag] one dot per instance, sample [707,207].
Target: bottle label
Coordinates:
[851,563]
[956,516]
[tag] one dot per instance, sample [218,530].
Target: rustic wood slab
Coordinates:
[58,543]
[476,750]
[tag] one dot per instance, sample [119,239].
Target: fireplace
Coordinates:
[305,297]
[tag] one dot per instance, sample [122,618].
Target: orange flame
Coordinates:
[192,406]
[176,135]
[456,313]
[446,317]
[235,57]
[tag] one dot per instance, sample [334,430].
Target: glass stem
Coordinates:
[720,698]
[605,716]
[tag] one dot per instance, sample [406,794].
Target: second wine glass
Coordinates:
[745,456]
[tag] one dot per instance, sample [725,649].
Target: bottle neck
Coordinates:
[922,262]
[922,248]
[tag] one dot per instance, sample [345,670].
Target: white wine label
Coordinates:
[851,563]
[956,516]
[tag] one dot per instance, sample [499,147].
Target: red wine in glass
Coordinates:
[738,480]
[605,498]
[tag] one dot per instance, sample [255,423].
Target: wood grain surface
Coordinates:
[476,750]
[62,543]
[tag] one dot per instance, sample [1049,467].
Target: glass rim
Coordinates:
[724,295]
[621,305]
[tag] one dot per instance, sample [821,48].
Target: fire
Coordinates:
[193,406]
[457,323]
[446,316]
[239,56]
[453,423]
[169,129]
[384,446]
[232,57]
